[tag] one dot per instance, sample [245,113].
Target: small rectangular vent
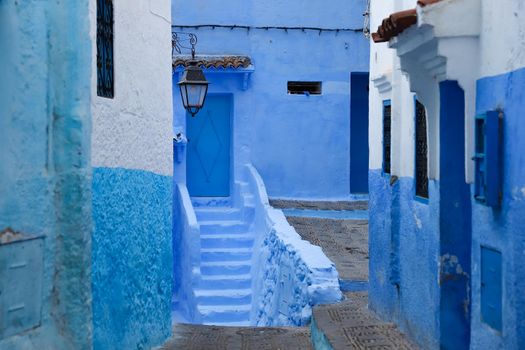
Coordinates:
[304,88]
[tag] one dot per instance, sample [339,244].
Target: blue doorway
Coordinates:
[454,222]
[358,133]
[209,139]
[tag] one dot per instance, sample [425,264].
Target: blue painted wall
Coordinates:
[502,229]
[132,258]
[300,144]
[44,158]
[414,243]
[404,253]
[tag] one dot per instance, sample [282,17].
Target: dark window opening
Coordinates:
[421,151]
[105,77]
[387,136]
[304,88]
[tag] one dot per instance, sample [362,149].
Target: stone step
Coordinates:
[235,240]
[226,254]
[226,267]
[245,214]
[223,296]
[211,202]
[249,200]
[225,281]
[218,213]
[225,313]
[223,226]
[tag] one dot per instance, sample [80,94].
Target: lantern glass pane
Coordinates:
[203,94]
[194,95]
[184,95]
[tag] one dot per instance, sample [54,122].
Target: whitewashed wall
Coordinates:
[502,36]
[133,130]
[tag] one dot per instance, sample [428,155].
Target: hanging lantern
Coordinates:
[193,88]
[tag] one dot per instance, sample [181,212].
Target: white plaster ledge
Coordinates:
[383,82]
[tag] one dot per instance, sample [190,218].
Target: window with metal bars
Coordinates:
[105,69]
[421,151]
[387,136]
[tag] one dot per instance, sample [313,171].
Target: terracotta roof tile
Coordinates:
[394,24]
[214,61]
[398,22]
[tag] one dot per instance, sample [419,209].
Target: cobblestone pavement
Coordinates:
[319,205]
[198,337]
[351,325]
[345,242]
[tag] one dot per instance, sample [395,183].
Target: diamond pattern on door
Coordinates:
[208,159]
[208,147]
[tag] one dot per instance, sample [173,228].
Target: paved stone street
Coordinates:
[345,242]
[319,205]
[197,337]
[351,325]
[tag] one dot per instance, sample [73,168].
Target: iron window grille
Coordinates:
[105,67]
[387,136]
[421,151]
[305,88]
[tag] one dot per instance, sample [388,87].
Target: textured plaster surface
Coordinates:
[503,228]
[132,186]
[132,258]
[186,254]
[404,252]
[44,159]
[300,144]
[132,130]
[503,31]
[290,274]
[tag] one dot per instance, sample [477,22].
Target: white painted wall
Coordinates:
[502,39]
[381,68]
[134,130]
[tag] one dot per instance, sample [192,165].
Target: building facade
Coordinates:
[446,252]
[86,174]
[289,90]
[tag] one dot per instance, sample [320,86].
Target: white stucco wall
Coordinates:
[388,82]
[133,130]
[502,38]
[381,67]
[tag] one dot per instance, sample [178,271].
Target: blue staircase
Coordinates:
[224,294]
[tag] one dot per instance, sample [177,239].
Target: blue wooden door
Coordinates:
[208,160]
[359,133]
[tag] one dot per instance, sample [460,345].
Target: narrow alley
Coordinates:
[262,174]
